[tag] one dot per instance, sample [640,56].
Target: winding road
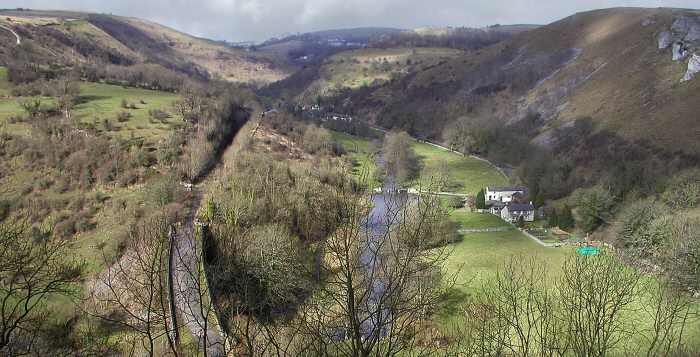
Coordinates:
[19,40]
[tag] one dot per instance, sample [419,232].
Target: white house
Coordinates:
[512,211]
[503,194]
[495,207]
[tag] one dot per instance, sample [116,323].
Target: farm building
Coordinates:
[504,194]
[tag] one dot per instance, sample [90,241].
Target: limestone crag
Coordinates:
[693,68]
[665,40]
[680,51]
[684,35]
[687,28]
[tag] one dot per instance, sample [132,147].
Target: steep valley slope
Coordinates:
[604,64]
[66,38]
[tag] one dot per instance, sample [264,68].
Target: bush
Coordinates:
[594,206]
[639,228]
[317,140]
[158,114]
[4,210]
[683,191]
[123,117]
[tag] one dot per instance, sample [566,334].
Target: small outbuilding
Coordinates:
[513,211]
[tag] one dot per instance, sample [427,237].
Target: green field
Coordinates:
[465,174]
[478,256]
[99,102]
[4,84]
[362,152]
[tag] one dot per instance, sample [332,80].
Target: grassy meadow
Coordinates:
[465,174]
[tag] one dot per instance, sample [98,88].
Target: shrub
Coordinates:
[107,124]
[123,116]
[158,114]
[594,206]
[317,140]
[683,191]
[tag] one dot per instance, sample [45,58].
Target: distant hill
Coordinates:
[311,48]
[73,37]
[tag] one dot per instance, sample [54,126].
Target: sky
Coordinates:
[257,20]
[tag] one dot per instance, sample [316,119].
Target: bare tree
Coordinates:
[382,280]
[31,106]
[399,160]
[671,311]
[30,273]
[133,292]
[595,294]
[516,313]
[66,92]
[191,104]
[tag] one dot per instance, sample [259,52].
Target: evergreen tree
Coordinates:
[481,200]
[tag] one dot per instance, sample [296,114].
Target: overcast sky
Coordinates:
[239,20]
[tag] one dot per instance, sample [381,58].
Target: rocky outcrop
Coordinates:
[693,68]
[680,51]
[687,27]
[665,39]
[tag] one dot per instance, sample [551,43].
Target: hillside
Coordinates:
[362,68]
[59,37]
[603,64]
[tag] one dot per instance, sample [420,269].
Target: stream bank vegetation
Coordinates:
[299,269]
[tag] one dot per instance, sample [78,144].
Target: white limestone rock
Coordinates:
[693,68]
[665,40]
[687,27]
[679,51]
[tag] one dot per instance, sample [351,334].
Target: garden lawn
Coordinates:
[466,219]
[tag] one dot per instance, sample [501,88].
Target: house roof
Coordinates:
[498,204]
[520,207]
[505,188]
